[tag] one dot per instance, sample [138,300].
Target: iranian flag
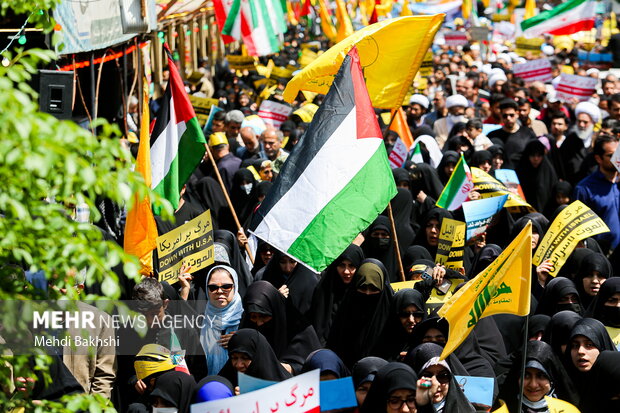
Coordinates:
[416,156]
[336,180]
[177,141]
[567,18]
[458,187]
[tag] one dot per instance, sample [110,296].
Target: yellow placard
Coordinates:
[426,68]
[307,57]
[281,73]
[525,46]
[190,244]
[241,62]
[437,298]
[306,112]
[489,187]
[574,223]
[202,107]
[451,244]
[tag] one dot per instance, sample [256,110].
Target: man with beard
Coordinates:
[513,136]
[600,191]
[456,105]
[588,114]
[418,105]
[439,104]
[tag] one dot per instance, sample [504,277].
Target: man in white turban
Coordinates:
[456,105]
[588,115]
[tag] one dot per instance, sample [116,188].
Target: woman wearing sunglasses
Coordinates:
[444,394]
[222,315]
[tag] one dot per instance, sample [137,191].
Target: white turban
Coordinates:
[456,100]
[495,77]
[590,109]
[420,100]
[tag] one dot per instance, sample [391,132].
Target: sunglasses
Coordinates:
[443,377]
[508,115]
[224,287]
[416,314]
[396,403]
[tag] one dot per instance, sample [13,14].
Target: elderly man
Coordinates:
[272,144]
[456,105]
[253,147]
[416,112]
[600,191]
[588,115]
[232,125]
[439,104]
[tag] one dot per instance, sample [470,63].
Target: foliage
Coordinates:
[46,167]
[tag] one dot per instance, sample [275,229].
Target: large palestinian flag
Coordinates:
[177,141]
[336,180]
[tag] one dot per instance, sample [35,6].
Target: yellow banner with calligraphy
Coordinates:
[489,187]
[575,223]
[451,244]
[437,298]
[190,244]
[202,107]
[528,47]
[241,62]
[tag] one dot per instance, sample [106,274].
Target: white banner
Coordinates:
[299,394]
[274,113]
[456,38]
[573,86]
[533,70]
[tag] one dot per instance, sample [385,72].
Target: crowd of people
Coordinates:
[276,318]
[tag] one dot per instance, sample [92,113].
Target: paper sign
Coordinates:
[335,394]
[241,62]
[202,107]
[489,187]
[479,213]
[477,389]
[436,299]
[426,68]
[274,113]
[456,38]
[533,70]
[300,394]
[451,244]
[574,223]
[510,179]
[398,154]
[573,86]
[191,244]
[531,46]
[479,33]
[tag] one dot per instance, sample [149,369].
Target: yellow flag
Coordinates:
[405,11]
[392,43]
[489,187]
[345,28]
[502,288]
[530,6]
[326,22]
[560,406]
[140,228]
[466,8]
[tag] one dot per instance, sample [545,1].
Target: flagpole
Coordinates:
[395,240]
[523,362]
[230,205]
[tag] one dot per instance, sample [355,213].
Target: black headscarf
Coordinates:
[419,357]
[559,328]
[328,362]
[176,388]
[382,249]
[480,157]
[389,378]
[401,175]
[610,316]
[366,369]
[538,324]
[415,253]
[361,317]
[553,208]
[330,291]
[396,338]
[205,194]
[237,260]
[448,157]
[538,351]
[593,262]
[536,182]
[604,385]
[301,282]
[522,222]
[420,239]
[573,263]
[554,291]
[484,258]
[402,204]
[424,178]
[265,365]
[291,338]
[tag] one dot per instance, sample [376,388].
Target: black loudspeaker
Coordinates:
[56,93]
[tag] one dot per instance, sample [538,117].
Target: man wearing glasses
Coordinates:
[513,136]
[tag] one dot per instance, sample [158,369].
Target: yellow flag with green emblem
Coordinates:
[502,288]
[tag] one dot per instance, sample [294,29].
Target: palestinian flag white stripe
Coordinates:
[567,18]
[164,151]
